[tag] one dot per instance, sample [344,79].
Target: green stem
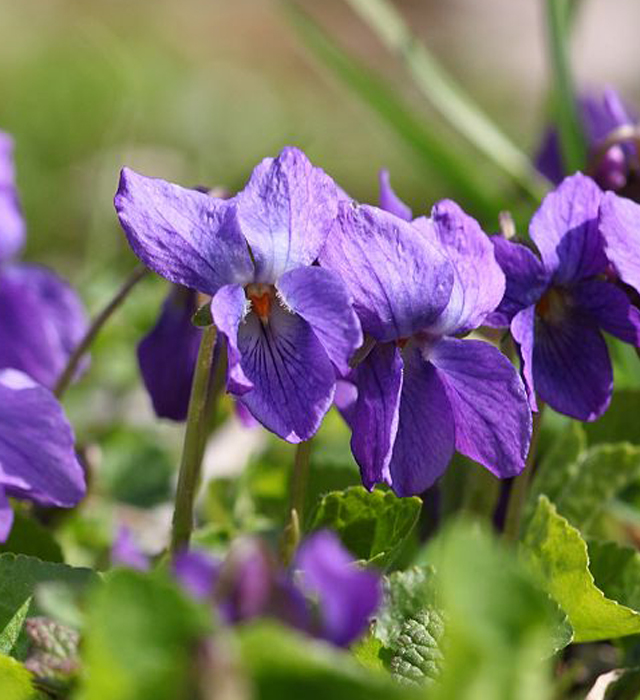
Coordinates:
[300,478]
[520,487]
[193,446]
[96,326]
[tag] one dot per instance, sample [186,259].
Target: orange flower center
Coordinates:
[262,298]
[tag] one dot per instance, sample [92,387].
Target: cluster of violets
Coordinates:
[319,301]
[322,300]
[324,593]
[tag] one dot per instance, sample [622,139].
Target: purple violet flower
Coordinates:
[41,318]
[619,224]
[249,585]
[422,392]
[125,551]
[601,115]
[37,458]
[557,306]
[347,596]
[288,324]
[167,354]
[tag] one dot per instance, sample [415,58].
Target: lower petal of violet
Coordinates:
[425,441]
[41,322]
[374,415]
[293,379]
[489,403]
[571,368]
[167,355]
[37,457]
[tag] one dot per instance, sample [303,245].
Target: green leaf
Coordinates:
[372,525]
[15,680]
[616,570]
[572,140]
[9,635]
[582,483]
[446,96]
[20,575]
[140,633]
[368,652]
[600,474]
[29,537]
[406,594]
[324,477]
[429,147]
[285,664]
[558,556]
[418,653]
[499,623]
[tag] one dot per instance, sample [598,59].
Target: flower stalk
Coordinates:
[83,346]
[193,447]
[521,483]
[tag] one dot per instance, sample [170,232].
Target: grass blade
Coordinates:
[447,97]
[433,152]
[565,106]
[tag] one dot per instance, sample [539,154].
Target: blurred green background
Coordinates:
[199,90]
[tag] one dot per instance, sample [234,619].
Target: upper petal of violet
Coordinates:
[389,200]
[399,282]
[320,297]
[285,213]
[479,282]
[167,355]
[186,236]
[37,457]
[565,230]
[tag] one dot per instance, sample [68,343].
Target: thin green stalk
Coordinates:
[446,96]
[520,486]
[193,446]
[96,326]
[572,140]
[299,479]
